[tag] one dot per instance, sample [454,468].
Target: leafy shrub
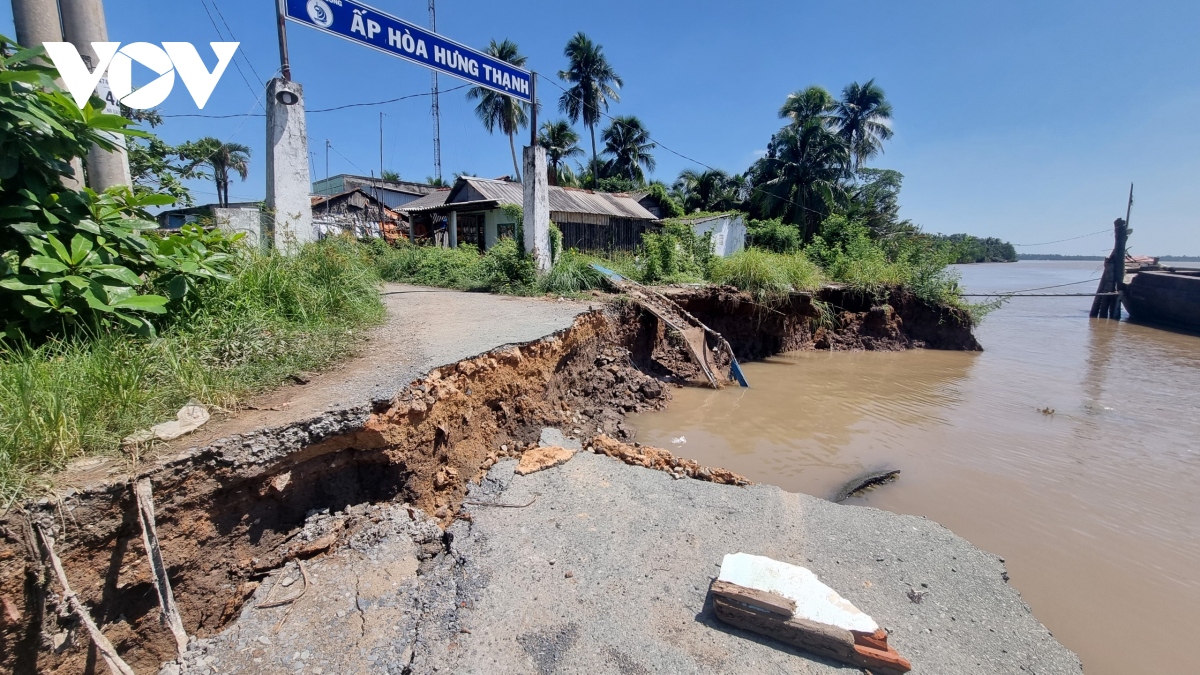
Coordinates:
[774,235]
[670,207]
[74,257]
[506,268]
[676,253]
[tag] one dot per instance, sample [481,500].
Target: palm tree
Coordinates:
[813,103]
[628,142]
[390,176]
[561,143]
[593,82]
[802,176]
[500,110]
[221,158]
[711,190]
[862,119]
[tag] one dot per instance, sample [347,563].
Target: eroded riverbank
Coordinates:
[232,511]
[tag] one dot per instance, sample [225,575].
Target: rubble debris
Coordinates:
[538,459]
[189,418]
[790,604]
[657,458]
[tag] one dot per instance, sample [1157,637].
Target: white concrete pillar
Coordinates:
[536,224]
[83,23]
[37,22]
[490,228]
[452,229]
[287,166]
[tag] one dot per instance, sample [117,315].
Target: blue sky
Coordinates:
[1017,119]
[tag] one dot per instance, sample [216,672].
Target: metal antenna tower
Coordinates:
[437,113]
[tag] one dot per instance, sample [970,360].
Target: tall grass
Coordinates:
[81,395]
[766,275]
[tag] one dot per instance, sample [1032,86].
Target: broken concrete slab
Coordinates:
[608,572]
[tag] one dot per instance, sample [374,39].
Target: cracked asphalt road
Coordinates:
[608,572]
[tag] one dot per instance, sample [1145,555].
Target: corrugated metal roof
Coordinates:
[564,200]
[429,201]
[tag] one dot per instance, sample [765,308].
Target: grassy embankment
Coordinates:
[72,396]
[678,256]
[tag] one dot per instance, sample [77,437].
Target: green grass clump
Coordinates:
[73,396]
[572,273]
[767,275]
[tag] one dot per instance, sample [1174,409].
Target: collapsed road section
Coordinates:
[240,514]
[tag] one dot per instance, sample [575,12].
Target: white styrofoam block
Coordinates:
[814,600]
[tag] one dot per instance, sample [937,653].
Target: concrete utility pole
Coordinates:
[288,181]
[38,22]
[536,223]
[435,108]
[83,23]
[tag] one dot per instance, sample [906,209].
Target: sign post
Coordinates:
[362,24]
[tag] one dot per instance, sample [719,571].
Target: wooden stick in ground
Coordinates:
[107,652]
[166,599]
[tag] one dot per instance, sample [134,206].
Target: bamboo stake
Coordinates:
[162,584]
[109,653]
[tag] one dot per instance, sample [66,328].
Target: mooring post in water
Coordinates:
[1113,280]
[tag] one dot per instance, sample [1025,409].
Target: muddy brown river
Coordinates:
[1070,447]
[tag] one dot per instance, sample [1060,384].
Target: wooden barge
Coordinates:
[1167,296]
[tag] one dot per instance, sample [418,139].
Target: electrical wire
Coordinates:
[1059,241]
[1030,290]
[234,38]
[323,110]
[219,35]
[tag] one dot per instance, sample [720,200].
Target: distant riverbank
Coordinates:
[1054,256]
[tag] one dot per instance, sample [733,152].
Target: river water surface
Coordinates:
[1095,506]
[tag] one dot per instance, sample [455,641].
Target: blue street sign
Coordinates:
[368,26]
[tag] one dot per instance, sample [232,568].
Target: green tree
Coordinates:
[593,82]
[390,176]
[802,175]
[805,105]
[74,256]
[628,144]
[561,143]
[498,110]
[862,115]
[222,158]
[155,165]
[712,190]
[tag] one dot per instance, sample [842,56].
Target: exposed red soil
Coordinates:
[230,512]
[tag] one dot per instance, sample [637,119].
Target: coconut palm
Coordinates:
[498,110]
[628,144]
[222,158]
[862,118]
[802,176]
[593,83]
[813,103]
[561,143]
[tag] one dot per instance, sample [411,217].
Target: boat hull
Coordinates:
[1164,298]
